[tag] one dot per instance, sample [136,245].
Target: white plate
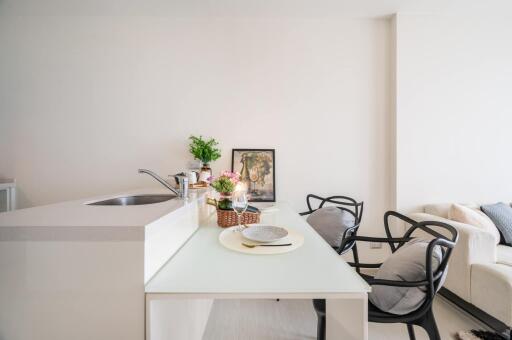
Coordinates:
[232,239]
[264,233]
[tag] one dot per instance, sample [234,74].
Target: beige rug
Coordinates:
[478,335]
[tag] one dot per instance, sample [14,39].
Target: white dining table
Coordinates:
[203,270]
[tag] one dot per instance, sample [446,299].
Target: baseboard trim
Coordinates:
[490,321]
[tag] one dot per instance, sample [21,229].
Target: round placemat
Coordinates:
[232,240]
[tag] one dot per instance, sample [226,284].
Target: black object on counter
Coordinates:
[228,206]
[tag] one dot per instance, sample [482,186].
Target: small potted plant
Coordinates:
[225,184]
[205,151]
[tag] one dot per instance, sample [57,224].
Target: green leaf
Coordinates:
[204,150]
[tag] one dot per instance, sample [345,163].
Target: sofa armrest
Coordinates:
[474,246]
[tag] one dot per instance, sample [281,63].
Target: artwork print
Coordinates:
[257,172]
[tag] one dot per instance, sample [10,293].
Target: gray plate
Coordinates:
[264,233]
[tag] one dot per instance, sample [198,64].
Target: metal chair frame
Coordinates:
[343,203]
[423,316]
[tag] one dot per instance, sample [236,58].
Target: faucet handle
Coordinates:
[176,177]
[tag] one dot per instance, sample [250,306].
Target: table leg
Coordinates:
[147,317]
[347,318]
[176,318]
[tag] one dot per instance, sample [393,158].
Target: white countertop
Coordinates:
[204,266]
[77,221]
[78,214]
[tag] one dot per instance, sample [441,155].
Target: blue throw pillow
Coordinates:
[501,215]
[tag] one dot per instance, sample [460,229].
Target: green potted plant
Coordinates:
[225,184]
[205,151]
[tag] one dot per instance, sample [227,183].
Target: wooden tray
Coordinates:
[199,185]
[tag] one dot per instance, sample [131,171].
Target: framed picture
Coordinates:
[257,171]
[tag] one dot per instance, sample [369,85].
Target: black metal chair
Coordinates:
[343,203]
[423,316]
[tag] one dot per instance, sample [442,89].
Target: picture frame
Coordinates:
[257,172]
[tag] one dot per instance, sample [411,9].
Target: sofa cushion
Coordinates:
[439,209]
[504,255]
[443,209]
[491,290]
[331,223]
[501,215]
[408,263]
[474,217]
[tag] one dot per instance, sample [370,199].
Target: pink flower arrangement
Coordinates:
[226,182]
[233,176]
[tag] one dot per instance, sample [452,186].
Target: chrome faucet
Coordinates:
[183,192]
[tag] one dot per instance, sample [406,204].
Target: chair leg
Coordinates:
[428,322]
[410,330]
[356,258]
[320,328]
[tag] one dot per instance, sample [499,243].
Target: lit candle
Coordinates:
[241,186]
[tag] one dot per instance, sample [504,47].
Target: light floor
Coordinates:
[296,320]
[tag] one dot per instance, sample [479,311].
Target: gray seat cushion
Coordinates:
[408,263]
[501,215]
[331,223]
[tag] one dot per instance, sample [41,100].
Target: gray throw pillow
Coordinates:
[331,223]
[501,215]
[408,263]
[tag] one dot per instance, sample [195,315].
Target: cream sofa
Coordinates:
[480,270]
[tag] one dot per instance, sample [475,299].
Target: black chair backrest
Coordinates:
[443,235]
[341,202]
[387,227]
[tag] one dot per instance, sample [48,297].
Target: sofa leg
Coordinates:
[410,330]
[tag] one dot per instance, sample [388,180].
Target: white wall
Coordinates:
[86,100]
[454,109]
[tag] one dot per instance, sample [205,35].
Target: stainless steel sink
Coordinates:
[134,200]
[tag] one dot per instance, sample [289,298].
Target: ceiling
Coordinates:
[253,8]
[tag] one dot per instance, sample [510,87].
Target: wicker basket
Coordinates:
[228,218]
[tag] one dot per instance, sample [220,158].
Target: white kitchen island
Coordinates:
[76,271]
[203,270]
